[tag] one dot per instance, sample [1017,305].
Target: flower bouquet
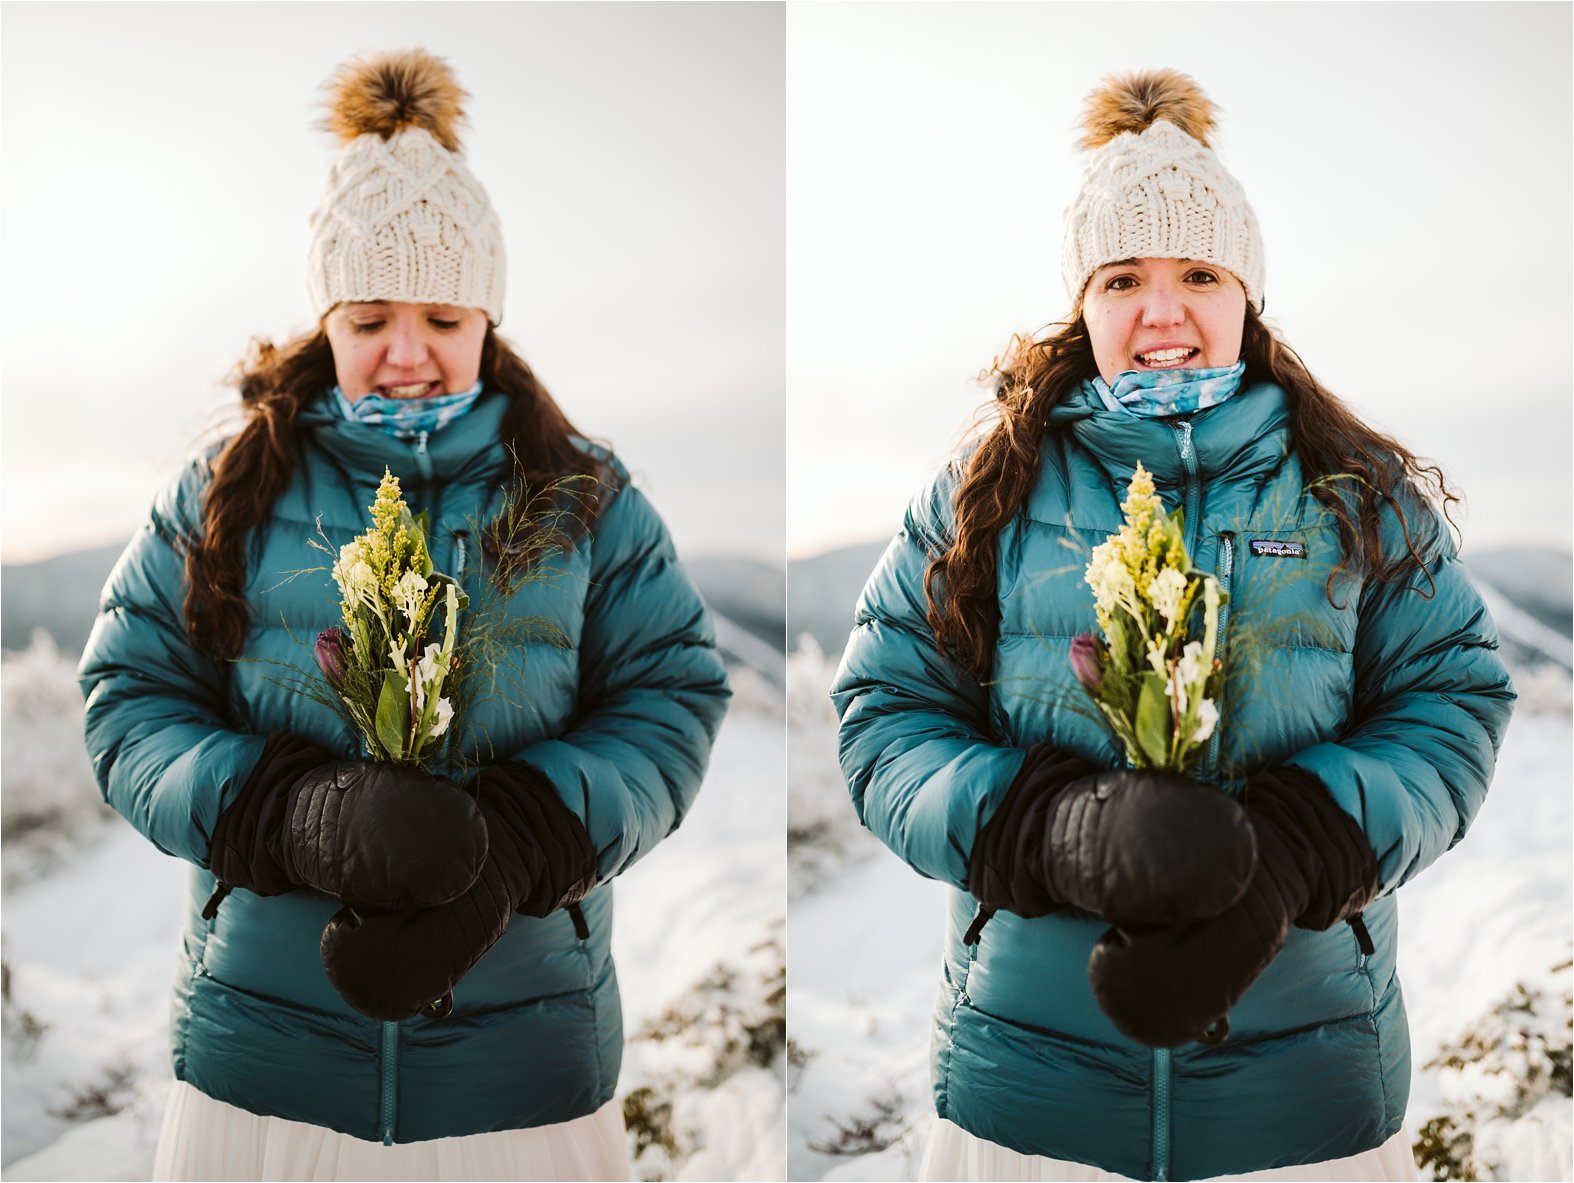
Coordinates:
[1155,684]
[384,664]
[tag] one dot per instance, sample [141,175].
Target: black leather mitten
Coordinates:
[392,965]
[1171,985]
[1131,846]
[373,835]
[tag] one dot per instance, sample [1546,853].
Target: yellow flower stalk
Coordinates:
[1153,681]
[384,666]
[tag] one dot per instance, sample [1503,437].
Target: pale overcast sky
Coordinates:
[1409,164]
[160,162]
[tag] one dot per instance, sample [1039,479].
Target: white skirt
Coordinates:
[207,1139]
[955,1154]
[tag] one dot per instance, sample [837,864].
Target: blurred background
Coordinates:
[1409,165]
[161,162]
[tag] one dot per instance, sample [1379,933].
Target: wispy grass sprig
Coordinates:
[521,546]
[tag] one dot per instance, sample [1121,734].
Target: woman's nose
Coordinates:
[1165,305]
[406,347]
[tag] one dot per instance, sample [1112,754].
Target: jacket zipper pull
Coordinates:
[976,930]
[211,908]
[581,929]
[1362,937]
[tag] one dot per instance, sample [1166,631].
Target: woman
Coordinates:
[1144,974]
[372,954]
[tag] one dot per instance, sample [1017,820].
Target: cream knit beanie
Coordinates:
[1153,188]
[401,217]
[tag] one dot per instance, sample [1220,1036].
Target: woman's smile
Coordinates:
[412,390]
[1166,357]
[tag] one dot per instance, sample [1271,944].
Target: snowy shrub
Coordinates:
[720,1047]
[1544,689]
[821,826]
[867,1132]
[51,801]
[753,692]
[1506,1085]
[20,1026]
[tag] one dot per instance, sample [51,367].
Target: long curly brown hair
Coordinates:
[254,465]
[960,584]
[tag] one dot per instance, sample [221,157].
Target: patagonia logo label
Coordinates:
[1277,549]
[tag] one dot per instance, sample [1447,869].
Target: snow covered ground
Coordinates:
[90,937]
[866,932]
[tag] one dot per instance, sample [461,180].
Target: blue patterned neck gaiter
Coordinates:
[406,418]
[1158,394]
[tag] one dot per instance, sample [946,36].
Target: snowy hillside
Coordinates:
[90,937]
[1488,925]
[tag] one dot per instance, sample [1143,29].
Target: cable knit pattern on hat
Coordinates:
[1155,191]
[402,218]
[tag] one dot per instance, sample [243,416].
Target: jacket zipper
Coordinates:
[1161,1113]
[1192,499]
[1161,1056]
[1227,585]
[390,1080]
[1191,505]
[423,464]
[423,459]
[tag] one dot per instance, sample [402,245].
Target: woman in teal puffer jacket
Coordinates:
[372,954]
[1158,976]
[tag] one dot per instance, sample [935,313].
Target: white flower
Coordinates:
[1166,590]
[1185,678]
[360,582]
[349,555]
[409,592]
[429,674]
[1207,717]
[1109,577]
[441,714]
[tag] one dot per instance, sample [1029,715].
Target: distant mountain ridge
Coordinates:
[1529,591]
[60,596]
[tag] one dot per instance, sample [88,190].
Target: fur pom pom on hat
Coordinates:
[401,217]
[1153,187]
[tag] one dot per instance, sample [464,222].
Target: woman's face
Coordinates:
[1163,314]
[405,350]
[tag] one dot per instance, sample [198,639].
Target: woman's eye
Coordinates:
[1202,278]
[444,325]
[1120,283]
[366,326]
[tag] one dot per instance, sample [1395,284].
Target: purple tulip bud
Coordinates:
[331,653]
[1088,656]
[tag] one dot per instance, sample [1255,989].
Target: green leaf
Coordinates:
[393,713]
[1153,720]
[439,579]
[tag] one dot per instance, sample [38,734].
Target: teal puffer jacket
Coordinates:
[620,719]
[1396,699]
